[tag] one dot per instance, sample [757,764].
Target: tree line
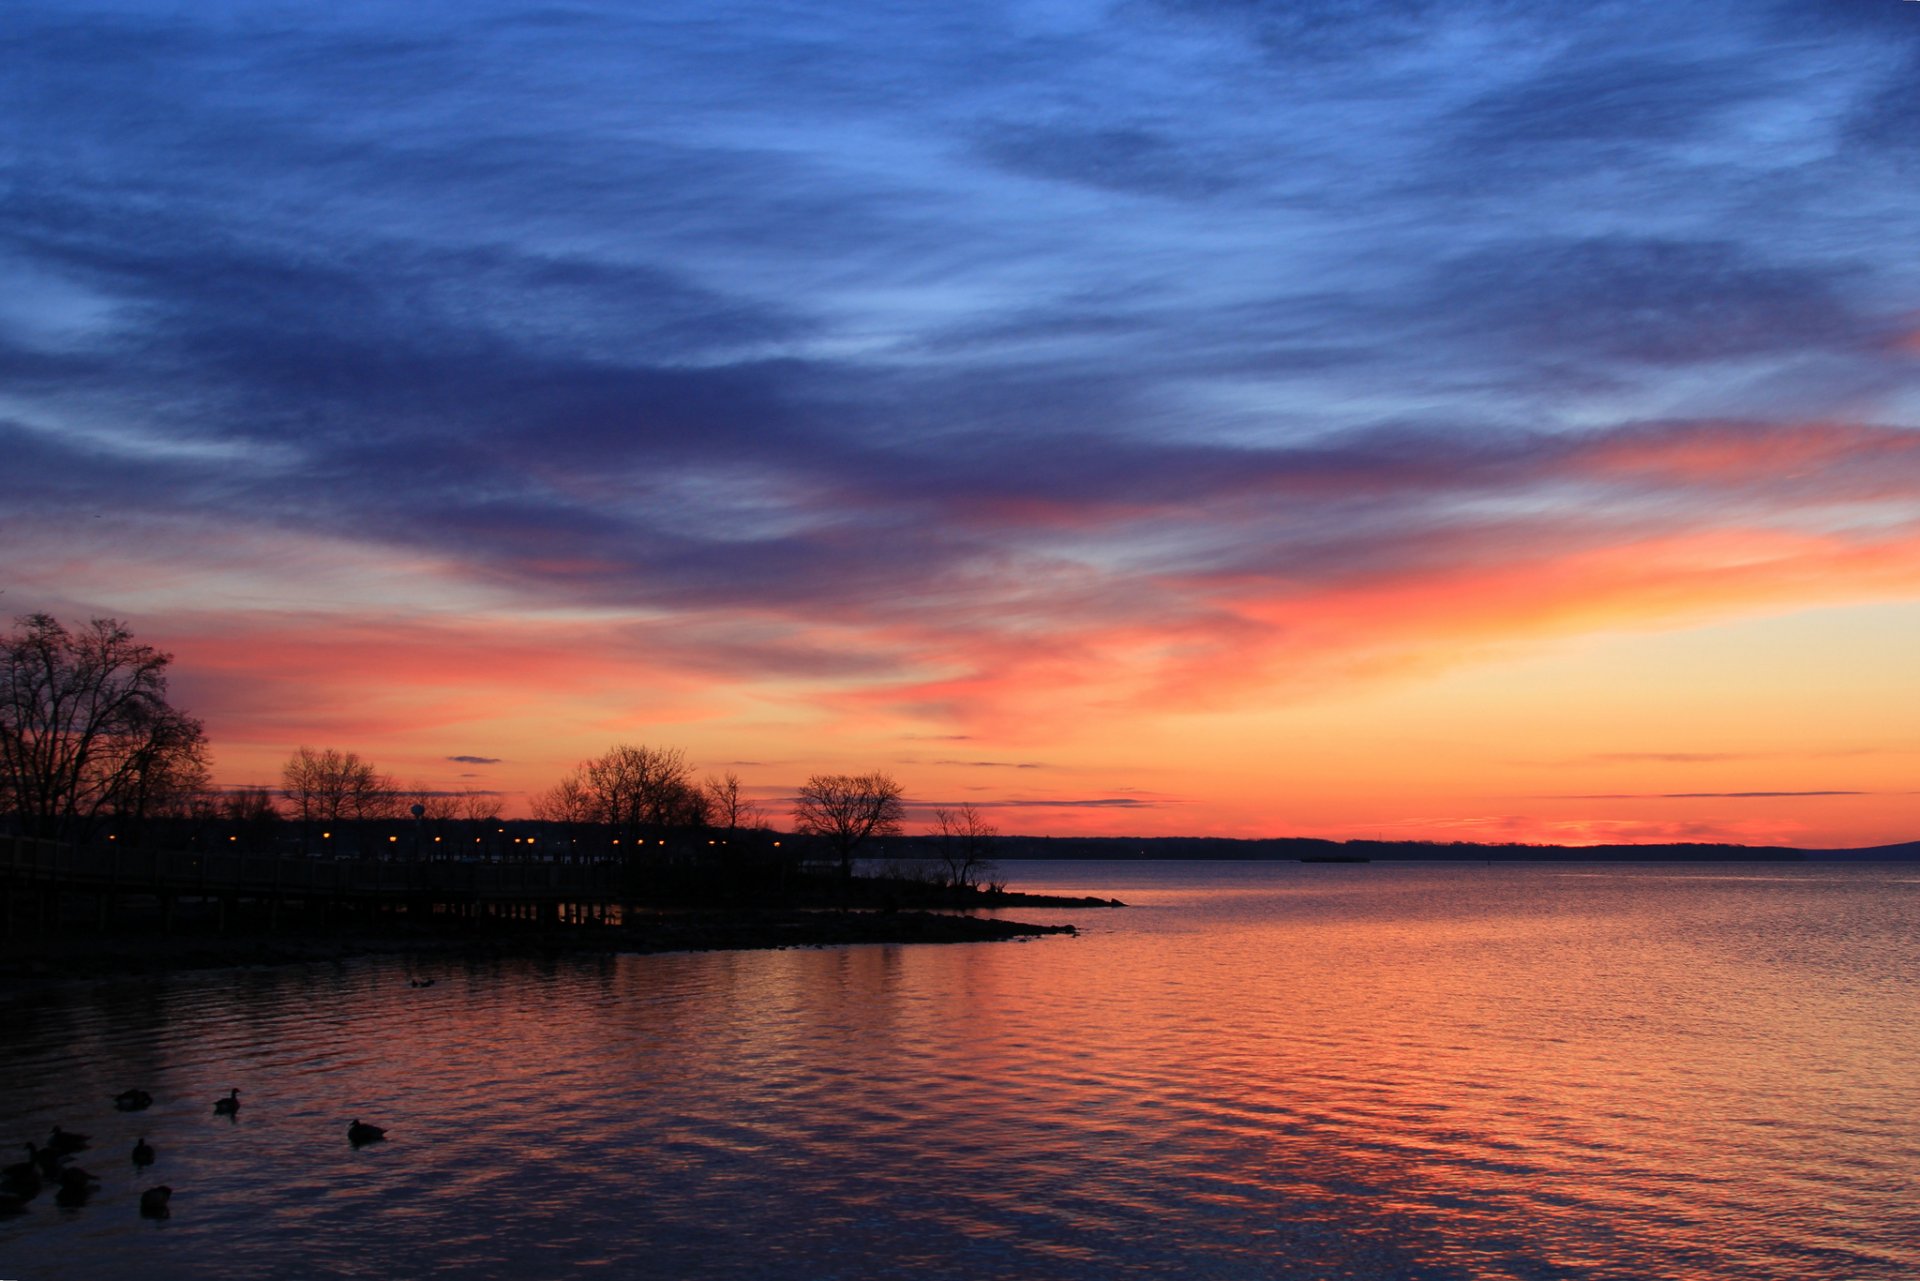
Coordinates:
[89,742]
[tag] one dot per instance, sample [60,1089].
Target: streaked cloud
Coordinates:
[817,384]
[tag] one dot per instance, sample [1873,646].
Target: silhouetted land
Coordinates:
[1309,849]
[139,936]
[81,955]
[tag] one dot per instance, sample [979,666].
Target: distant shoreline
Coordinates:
[1295,849]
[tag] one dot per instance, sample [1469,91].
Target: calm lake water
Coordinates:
[1266,1070]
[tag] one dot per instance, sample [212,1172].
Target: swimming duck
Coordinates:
[359,1133]
[22,1178]
[143,1153]
[132,1100]
[76,1185]
[227,1106]
[153,1202]
[75,1177]
[61,1143]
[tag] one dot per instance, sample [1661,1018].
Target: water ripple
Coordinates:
[1270,1071]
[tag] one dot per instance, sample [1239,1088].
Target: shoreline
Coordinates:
[31,960]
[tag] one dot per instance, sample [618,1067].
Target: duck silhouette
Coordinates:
[76,1185]
[133,1100]
[228,1106]
[46,1160]
[359,1133]
[22,1178]
[153,1202]
[143,1153]
[63,1143]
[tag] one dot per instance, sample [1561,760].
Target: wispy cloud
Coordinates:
[919,378]
[992,764]
[1698,796]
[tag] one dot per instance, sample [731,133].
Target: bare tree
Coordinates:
[727,807]
[331,786]
[86,732]
[966,844]
[847,810]
[250,815]
[435,807]
[637,790]
[477,806]
[569,801]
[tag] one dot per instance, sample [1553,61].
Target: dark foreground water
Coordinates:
[1258,1071]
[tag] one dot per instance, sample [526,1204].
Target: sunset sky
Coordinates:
[1457,421]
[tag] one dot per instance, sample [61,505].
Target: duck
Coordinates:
[76,1185]
[133,1100]
[143,1153]
[153,1202]
[62,1143]
[419,982]
[227,1106]
[22,1178]
[75,1177]
[359,1133]
[46,1159]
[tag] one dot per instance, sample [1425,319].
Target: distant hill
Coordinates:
[1872,853]
[1301,847]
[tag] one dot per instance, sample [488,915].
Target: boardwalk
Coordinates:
[42,880]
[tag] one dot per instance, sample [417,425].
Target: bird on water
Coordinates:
[360,1133]
[143,1153]
[227,1106]
[76,1185]
[133,1100]
[63,1143]
[22,1178]
[153,1202]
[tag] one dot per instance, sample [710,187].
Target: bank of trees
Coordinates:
[87,734]
[90,742]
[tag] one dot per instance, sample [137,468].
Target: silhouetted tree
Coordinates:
[965,843]
[86,732]
[251,816]
[727,807]
[631,790]
[435,807]
[479,816]
[847,810]
[569,801]
[477,806]
[331,786]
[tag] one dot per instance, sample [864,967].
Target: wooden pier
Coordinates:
[44,883]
